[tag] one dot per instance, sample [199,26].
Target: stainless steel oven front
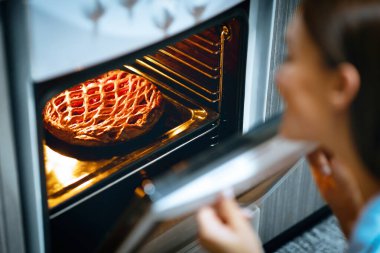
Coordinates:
[210,60]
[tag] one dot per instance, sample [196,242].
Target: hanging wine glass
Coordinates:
[196,8]
[94,11]
[128,4]
[163,14]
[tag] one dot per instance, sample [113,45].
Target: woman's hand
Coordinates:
[223,228]
[338,188]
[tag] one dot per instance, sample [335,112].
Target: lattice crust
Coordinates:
[116,106]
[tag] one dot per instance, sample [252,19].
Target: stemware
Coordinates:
[163,14]
[196,8]
[129,4]
[94,11]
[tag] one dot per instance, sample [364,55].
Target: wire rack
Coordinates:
[193,66]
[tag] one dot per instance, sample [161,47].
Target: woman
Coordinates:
[330,83]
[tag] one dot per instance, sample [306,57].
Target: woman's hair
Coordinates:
[349,31]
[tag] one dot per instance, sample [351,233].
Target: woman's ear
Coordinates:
[347,86]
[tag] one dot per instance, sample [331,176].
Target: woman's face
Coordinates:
[304,82]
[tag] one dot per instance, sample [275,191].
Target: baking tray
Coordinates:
[71,169]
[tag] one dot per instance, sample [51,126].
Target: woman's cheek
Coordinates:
[288,83]
[284,82]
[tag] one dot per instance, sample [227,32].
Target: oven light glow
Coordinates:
[61,166]
[67,176]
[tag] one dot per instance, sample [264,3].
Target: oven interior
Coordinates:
[201,79]
[201,74]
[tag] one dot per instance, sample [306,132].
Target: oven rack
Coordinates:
[193,66]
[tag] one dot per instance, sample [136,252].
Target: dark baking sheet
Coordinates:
[70,169]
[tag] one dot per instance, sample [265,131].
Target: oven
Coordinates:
[77,198]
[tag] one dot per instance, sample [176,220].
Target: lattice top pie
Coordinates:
[114,107]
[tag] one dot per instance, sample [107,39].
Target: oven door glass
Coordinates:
[239,165]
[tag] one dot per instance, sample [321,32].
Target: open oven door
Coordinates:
[240,164]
